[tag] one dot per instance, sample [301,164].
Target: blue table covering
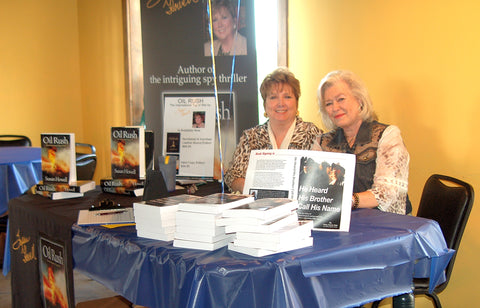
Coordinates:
[376,259]
[20,168]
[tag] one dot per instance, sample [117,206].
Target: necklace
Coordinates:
[350,140]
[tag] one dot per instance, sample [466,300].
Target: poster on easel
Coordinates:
[189,133]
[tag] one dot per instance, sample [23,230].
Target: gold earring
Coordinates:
[298,112]
[265,114]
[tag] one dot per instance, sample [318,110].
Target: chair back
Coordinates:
[448,201]
[86,161]
[15,141]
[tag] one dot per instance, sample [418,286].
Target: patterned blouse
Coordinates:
[382,163]
[257,138]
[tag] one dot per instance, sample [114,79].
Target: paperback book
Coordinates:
[261,252]
[265,209]
[203,245]
[134,192]
[53,274]
[125,183]
[58,158]
[59,195]
[76,187]
[215,203]
[262,228]
[128,152]
[291,232]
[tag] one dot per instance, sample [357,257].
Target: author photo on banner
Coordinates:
[227,37]
[198,119]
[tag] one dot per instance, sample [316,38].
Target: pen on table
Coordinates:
[110,213]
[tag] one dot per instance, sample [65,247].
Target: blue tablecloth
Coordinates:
[376,259]
[20,168]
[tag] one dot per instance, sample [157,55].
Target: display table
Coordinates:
[376,259]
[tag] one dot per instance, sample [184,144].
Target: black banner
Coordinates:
[176,58]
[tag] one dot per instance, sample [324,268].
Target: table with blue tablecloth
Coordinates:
[376,259]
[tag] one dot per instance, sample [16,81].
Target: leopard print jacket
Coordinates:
[257,138]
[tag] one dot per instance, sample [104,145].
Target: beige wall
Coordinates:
[420,61]
[62,69]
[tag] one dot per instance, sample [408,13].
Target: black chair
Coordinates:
[449,201]
[15,141]
[86,161]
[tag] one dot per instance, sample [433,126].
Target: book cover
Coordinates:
[267,208]
[78,186]
[128,152]
[202,245]
[261,252]
[216,203]
[58,158]
[322,182]
[53,274]
[105,217]
[264,228]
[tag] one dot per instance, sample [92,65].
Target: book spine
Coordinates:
[57,187]
[120,190]
[126,183]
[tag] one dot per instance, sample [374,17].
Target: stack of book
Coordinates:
[128,160]
[196,221]
[59,169]
[155,219]
[266,226]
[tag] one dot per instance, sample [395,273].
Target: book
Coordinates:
[205,230]
[202,245]
[166,237]
[135,192]
[105,217]
[265,209]
[263,228]
[128,152]
[261,252]
[125,183]
[291,232]
[54,281]
[58,158]
[59,195]
[156,229]
[78,186]
[162,205]
[215,203]
[202,237]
